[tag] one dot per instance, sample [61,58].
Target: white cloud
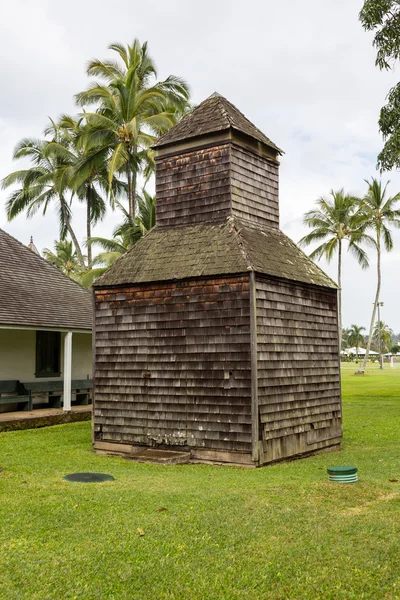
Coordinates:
[302,72]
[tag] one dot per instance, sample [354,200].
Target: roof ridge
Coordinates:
[223,110]
[232,124]
[308,258]
[268,230]
[242,246]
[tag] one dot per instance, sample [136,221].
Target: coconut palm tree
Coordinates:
[41,185]
[355,337]
[336,220]
[132,110]
[382,333]
[124,237]
[84,169]
[64,257]
[133,229]
[345,337]
[379,212]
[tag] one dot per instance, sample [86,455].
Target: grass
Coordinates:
[281,532]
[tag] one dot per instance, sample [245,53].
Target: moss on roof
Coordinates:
[229,247]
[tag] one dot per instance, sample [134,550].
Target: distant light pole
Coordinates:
[379,335]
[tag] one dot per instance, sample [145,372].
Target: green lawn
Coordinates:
[281,532]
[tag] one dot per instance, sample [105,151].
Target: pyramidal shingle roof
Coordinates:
[230,247]
[213,114]
[35,294]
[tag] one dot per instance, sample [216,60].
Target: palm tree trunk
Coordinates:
[131,202]
[89,226]
[134,181]
[340,294]
[357,354]
[72,233]
[378,291]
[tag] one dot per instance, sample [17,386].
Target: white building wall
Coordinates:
[18,355]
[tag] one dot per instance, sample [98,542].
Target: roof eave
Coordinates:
[207,140]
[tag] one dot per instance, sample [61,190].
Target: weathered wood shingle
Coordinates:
[211,184]
[171,360]
[212,115]
[298,375]
[230,247]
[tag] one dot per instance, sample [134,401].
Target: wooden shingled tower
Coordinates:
[215,334]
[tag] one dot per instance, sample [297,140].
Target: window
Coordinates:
[48,345]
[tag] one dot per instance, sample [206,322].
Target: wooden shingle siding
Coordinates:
[298,369]
[254,188]
[173,364]
[193,186]
[210,184]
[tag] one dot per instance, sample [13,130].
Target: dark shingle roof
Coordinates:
[36,294]
[217,249]
[214,114]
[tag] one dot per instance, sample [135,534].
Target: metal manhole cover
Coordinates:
[88,477]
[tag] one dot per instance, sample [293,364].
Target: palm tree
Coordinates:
[345,337]
[41,185]
[133,229]
[84,170]
[383,334]
[112,250]
[64,257]
[124,237]
[335,220]
[133,109]
[356,338]
[379,213]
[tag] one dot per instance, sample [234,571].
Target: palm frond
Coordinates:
[360,254]
[109,245]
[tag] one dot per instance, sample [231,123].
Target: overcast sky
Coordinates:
[303,72]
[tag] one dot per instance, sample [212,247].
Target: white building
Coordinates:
[45,327]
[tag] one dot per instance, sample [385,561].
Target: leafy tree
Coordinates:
[378,213]
[356,337]
[336,220]
[383,18]
[64,257]
[133,109]
[41,185]
[395,349]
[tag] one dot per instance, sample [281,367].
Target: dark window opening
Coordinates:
[48,344]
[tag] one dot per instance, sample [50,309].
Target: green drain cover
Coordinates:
[88,477]
[343,474]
